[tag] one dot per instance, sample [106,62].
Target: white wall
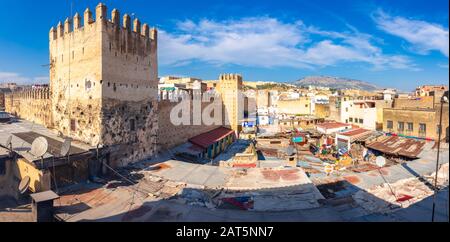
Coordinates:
[350,109]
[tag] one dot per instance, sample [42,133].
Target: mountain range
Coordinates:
[335,83]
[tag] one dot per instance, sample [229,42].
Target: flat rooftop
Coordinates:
[332,125]
[24,132]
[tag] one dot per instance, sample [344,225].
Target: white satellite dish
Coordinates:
[381,161]
[66,147]
[24,184]
[39,147]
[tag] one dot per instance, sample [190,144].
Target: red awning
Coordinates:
[207,139]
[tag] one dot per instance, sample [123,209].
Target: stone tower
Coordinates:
[104,81]
[230,88]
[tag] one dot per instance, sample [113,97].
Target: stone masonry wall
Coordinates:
[170,135]
[31,105]
[2,100]
[104,81]
[130,128]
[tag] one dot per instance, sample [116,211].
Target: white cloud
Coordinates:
[442,65]
[423,36]
[20,79]
[268,42]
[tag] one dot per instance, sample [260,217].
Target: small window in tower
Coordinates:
[83,50]
[73,125]
[73,55]
[110,47]
[132,125]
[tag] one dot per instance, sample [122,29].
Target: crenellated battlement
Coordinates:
[179,95]
[35,94]
[101,17]
[31,104]
[173,96]
[224,77]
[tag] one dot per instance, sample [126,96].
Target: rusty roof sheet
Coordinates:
[355,132]
[398,146]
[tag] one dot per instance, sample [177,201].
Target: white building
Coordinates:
[318,98]
[362,113]
[345,139]
[332,127]
[389,94]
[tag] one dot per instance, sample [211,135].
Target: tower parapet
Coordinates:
[52,34]
[154,34]
[137,26]
[76,21]
[230,77]
[67,26]
[100,12]
[32,94]
[88,17]
[115,17]
[59,30]
[101,16]
[127,22]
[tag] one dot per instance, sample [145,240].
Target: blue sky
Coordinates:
[398,44]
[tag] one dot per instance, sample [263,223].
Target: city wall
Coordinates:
[2,100]
[170,135]
[33,105]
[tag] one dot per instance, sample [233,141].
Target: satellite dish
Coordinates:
[66,147]
[24,184]
[8,142]
[381,161]
[39,147]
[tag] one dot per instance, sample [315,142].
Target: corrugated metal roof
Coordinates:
[355,132]
[398,146]
[207,139]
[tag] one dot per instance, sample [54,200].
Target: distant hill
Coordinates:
[336,83]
